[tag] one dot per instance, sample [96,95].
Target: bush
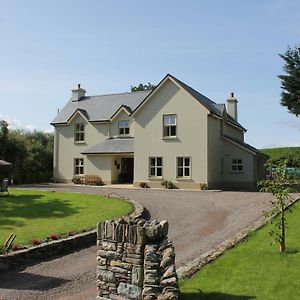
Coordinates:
[168,184]
[144,185]
[53,236]
[203,186]
[36,242]
[77,180]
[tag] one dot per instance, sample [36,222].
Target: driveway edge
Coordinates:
[195,265]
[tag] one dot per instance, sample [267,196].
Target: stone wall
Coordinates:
[135,260]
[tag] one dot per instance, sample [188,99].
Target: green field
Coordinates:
[252,270]
[291,154]
[35,214]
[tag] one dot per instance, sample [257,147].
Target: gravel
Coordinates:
[199,220]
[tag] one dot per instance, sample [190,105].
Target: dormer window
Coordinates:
[123,127]
[169,123]
[79,133]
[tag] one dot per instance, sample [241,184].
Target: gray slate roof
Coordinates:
[245,145]
[210,105]
[113,146]
[100,108]
[103,107]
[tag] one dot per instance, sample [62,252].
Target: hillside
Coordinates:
[291,154]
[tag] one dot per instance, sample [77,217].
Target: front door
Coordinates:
[127,169]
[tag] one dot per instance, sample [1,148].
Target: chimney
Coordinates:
[78,93]
[232,106]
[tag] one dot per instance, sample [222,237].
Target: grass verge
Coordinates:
[36,214]
[252,270]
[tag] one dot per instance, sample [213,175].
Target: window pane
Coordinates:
[152,171]
[173,130]
[186,171]
[180,161]
[234,161]
[152,161]
[126,130]
[186,161]
[169,119]
[180,172]
[233,168]
[159,161]
[159,172]
[239,161]
[240,168]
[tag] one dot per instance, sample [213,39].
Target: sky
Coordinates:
[216,47]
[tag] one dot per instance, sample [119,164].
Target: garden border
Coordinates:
[190,268]
[62,246]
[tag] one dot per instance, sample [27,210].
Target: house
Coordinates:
[172,132]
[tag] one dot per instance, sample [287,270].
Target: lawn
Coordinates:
[36,214]
[252,270]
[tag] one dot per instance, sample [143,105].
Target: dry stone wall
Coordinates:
[135,260]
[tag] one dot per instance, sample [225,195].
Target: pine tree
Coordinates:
[290,82]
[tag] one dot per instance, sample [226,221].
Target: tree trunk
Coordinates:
[282,234]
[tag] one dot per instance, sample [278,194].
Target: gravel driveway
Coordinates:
[199,220]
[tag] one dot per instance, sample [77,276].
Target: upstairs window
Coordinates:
[169,123]
[155,167]
[123,127]
[237,165]
[79,132]
[78,166]
[184,167]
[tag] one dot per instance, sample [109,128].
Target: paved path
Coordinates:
[199,220]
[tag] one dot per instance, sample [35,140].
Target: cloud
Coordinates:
[17,124]
[279,145]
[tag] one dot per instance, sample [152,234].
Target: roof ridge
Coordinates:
[113,94]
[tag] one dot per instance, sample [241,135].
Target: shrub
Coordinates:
[168,184]
[36,242]
[53,236]
[144,185]
[16,247]
[77,180]
[203,186]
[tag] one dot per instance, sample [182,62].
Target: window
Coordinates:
[237,165]
[123,127]
[79,132]
[155,167]
[78,166]
[169,122]
[183,167]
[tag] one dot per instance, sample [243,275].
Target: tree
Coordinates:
[290,82]
[3,137]
[277,185]
[143,87]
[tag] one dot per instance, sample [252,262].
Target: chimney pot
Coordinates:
[78,85]
[232,95]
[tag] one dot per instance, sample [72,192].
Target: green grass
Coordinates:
[36,214]
[252,270]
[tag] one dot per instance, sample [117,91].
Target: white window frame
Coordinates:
[123,128]
[79,133]
[155,166]
[237,165]
[78,166]
[167,128]
[184,166]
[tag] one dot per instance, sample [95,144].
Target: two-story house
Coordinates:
[172,132]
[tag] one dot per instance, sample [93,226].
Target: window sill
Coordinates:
[170,138]
[79,142]
[237,172]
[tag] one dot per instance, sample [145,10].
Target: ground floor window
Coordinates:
[155,166]
[237,165]
[78,166]
[184,167]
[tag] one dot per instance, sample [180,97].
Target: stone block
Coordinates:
[129,291]
[106,276]
[133,261]
[137,276]
[120,264]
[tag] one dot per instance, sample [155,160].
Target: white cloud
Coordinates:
[279,145]
[17,124]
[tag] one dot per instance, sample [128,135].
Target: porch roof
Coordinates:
[112,146]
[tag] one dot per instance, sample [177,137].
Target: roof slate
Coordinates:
[100,108]
[113,146]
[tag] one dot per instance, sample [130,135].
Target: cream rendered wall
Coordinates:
[233,131]
[67,150]
[122,116]
[246,178]
[100,165]
[191,133]
[215,152]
